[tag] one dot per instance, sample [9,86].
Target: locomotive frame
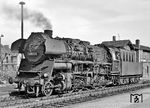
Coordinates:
[64,65]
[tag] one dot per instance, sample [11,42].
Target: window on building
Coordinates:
[126,56]
[12,60]
[6,59]
[147,70]
[13,67]
[132,57]
[6,67]
[129,57]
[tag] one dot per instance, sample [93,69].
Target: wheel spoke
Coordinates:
[48,88]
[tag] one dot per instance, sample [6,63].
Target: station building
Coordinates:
[8,61]
[145,60]
[141,53]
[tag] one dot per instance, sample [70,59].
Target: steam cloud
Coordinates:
[37,18]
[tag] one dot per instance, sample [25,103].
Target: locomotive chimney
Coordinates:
[137,42]
[49,32]
[114,38]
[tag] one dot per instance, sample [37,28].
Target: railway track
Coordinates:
[55,101]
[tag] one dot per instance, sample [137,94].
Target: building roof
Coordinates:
[5,49]
[142,47]
[145,48]
[118,43]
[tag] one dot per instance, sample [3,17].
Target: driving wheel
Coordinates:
[48,88]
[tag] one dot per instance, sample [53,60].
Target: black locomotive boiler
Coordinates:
[65,64]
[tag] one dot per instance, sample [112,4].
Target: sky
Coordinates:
[89,20]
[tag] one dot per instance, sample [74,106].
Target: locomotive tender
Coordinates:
[65,64]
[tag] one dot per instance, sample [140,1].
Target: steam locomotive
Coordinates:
[64,64]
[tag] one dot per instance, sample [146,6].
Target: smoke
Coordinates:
[35,17]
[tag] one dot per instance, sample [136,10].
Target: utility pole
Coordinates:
[22,3]
[1,60]
[118,36]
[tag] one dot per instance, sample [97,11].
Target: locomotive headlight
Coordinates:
[45,75]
